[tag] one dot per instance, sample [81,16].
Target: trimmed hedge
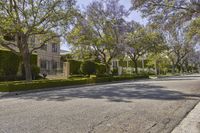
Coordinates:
[40,84]
[88,67]
[9,64]
[100,70]
[75,67]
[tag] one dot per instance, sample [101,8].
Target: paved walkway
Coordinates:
[191,123]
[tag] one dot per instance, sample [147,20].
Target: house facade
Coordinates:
[48,59]
[48,56]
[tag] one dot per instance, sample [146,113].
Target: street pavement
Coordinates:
[148,106]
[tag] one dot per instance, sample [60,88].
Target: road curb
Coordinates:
[190,123]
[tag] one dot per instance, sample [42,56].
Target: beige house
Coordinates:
[49,59]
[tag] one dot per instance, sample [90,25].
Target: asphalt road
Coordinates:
[151,106]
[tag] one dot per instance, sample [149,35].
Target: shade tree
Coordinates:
[141,41]
[23,21]
[101,29]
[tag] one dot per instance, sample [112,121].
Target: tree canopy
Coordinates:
[23,21]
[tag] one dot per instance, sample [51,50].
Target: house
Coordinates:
[48,57]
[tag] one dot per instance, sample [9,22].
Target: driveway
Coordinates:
[149,106]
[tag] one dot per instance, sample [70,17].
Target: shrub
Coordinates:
[39,84]
[11,78]
[76,76]
[100,69]
[74,67]
[9,65]
[35,70]
[88,67]
[115,72]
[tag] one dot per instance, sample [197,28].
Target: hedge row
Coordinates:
[9,64]
[40,84]
[75,67]
[86,67]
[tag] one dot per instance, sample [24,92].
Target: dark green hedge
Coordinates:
[75,67]
[100,68]
[39,84]
[9,64]
[88,67]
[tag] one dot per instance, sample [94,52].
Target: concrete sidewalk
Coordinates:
[191,123]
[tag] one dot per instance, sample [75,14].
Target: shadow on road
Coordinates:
[113,93]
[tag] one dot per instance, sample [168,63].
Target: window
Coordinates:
[54,64]
[115,64]
[54,48]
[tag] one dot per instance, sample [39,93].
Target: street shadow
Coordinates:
[113,93]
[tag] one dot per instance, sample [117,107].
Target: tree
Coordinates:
[66,57]
[22,21]
[179,48]
[194,30]
[101,29]
[160,61]
[140,40]
[168,11]
[171,15]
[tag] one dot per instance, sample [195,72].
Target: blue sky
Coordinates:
[136,16]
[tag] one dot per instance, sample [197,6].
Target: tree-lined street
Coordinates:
[115,62]
[135,107]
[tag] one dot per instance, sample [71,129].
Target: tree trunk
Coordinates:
[173,68]
[136,66]
[156,68]
[22,40]
[19,71]
[179,69]
[107,68]
[27,65]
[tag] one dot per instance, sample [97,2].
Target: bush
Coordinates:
[11,78]
[100,69]
[35,70]
[40,84]
[76,76]
[115,72]
[9,64]
[37,84]
[88,68]
[74,67]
